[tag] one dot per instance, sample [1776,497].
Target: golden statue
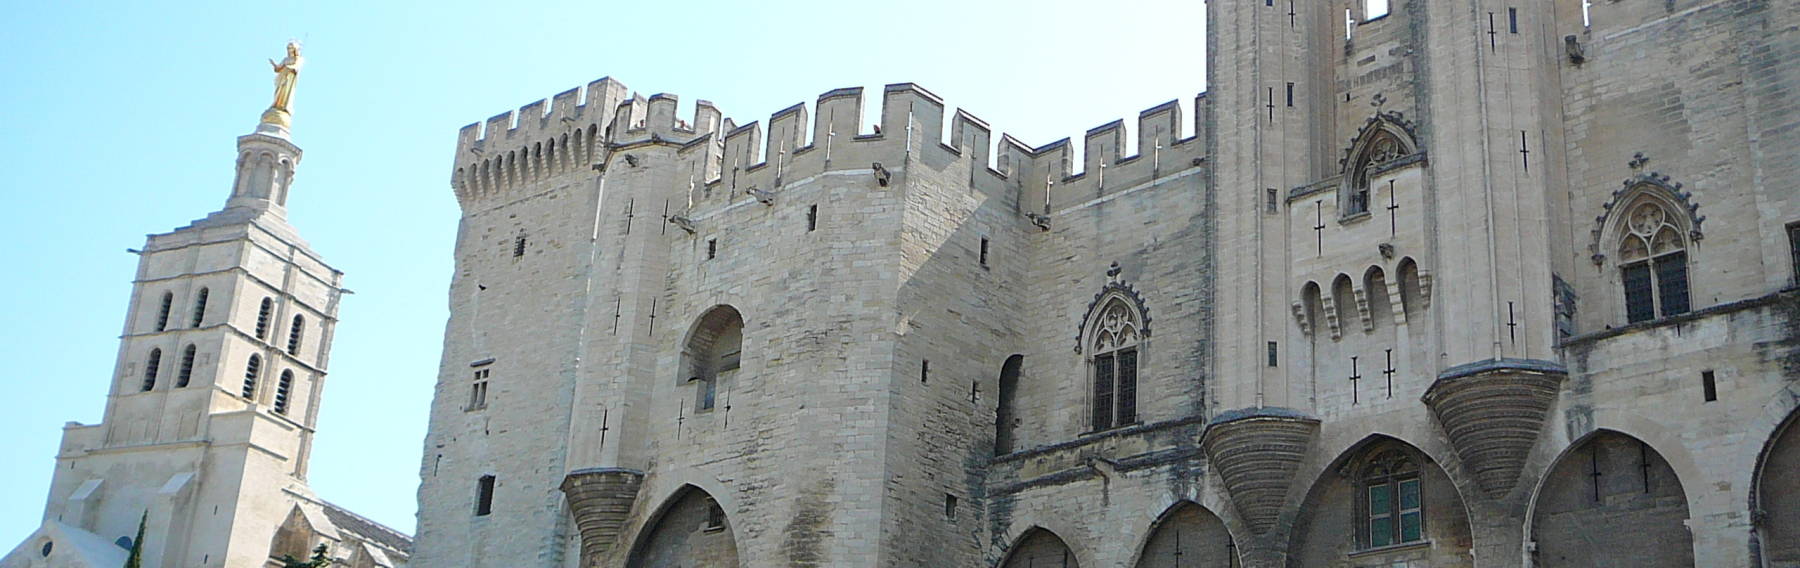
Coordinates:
[287,72]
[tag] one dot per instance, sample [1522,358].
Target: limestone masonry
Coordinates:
[1467,283]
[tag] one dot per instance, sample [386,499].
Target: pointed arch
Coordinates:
[1385,139]
[1037,547]
[1343,304]
[690,528]
[295,537]
[1383,500]
[1115,329]
[1375,288]
[1311,309]
[187,367]
[1775,495]
[1187,534]
[1412,289]
[1648,227]
[712,353]
[1610,499]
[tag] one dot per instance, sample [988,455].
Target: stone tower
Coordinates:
[210,418]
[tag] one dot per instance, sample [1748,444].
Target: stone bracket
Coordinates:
[1493,412]
[1256,453]
[600,499]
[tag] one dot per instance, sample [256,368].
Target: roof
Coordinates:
[368,529]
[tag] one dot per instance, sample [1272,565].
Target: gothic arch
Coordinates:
[1006,416]
[1610,499]
[1380,306]
[1187,534]
[1386,138]
[1115,293]
[1775,495]
[1639,189]
[1385,501]
[689,528]
[712,353]
[1037,547]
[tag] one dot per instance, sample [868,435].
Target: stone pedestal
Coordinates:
[600,498]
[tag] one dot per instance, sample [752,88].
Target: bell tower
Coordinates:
[210,417]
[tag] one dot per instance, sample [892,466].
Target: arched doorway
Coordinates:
[1778,496]
[1382,503]
[1039,548]
[1188,536]
[691,531]
[1611,501]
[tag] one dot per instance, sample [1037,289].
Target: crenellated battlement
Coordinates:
[573,131]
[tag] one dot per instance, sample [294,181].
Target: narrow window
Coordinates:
[812,218]
[187,367]
[282,389]
[925,371]
[1374,9]
[519,246]
[1127,388]
[984,251]
[1103,391]
[1393,503]
[1639,305]
[1381,515]
[295,332]
[199,307]
[478,390]
[1708,386]
[151,366]
[1512,20]
[484,496]
[712,248]
[1271,203]
[1672,283]
[252,368]
[263,313]
[1290,94]
[1794,249]
[949,506]
[1274,356]
[162,316]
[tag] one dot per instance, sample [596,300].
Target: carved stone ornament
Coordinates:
[1112,325]
[1657,207]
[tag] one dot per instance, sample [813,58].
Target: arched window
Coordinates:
[282,388]
[1390,505]
[294,334]
[1006,418]
[187,367]
[151,366]
[1383,139]
[1113,357]
[162,315]
[713,352]
[263,313]
[1652,263]
[199,307]
[252,368]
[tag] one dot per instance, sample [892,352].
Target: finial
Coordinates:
[1378,100]
[1112,272]
[1638,161]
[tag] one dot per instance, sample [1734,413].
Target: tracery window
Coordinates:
[1114,360]
[1652,264]
[1382,149]
[1391,504]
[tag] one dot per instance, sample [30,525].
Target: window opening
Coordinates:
[1271,203]
[1393,504]
[1708,386]
[1290,94]
[984,251]
[1273,354]
[478,390]
[925,371]
[1794,249]
[282,389]
[199,307]
[1653,265]
[187,367]
[1115,367]
[162,316]
[715,515]
[712,248]
[949,506]
[484,496]
[151,366]
[252,368]
[812,218]
[263,313]
[295,331]
[1512,20]
[519,246]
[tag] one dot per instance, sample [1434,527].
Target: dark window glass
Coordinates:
[1708,386]
[162,316]
[187,367]
[262,318]
[294,333]
[519,246]
[1639,305]
[199,307]
[1127,387]
[1103,391]
[282,388]
[252,368]
[484,496]
[151,366]
[1672,283]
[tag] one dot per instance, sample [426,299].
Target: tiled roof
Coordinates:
[377,532]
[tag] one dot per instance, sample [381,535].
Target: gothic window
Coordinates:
[199,307]
[187,367]
[1383,148]
[1390,506]
[713,353]
[283,388]
[162,315]
[294,333]
[151,366]
[252,369]
[478,391]
[1114,360]
[1652,264]
[263,313]
[484,496]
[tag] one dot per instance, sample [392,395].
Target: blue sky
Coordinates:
[119,120]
